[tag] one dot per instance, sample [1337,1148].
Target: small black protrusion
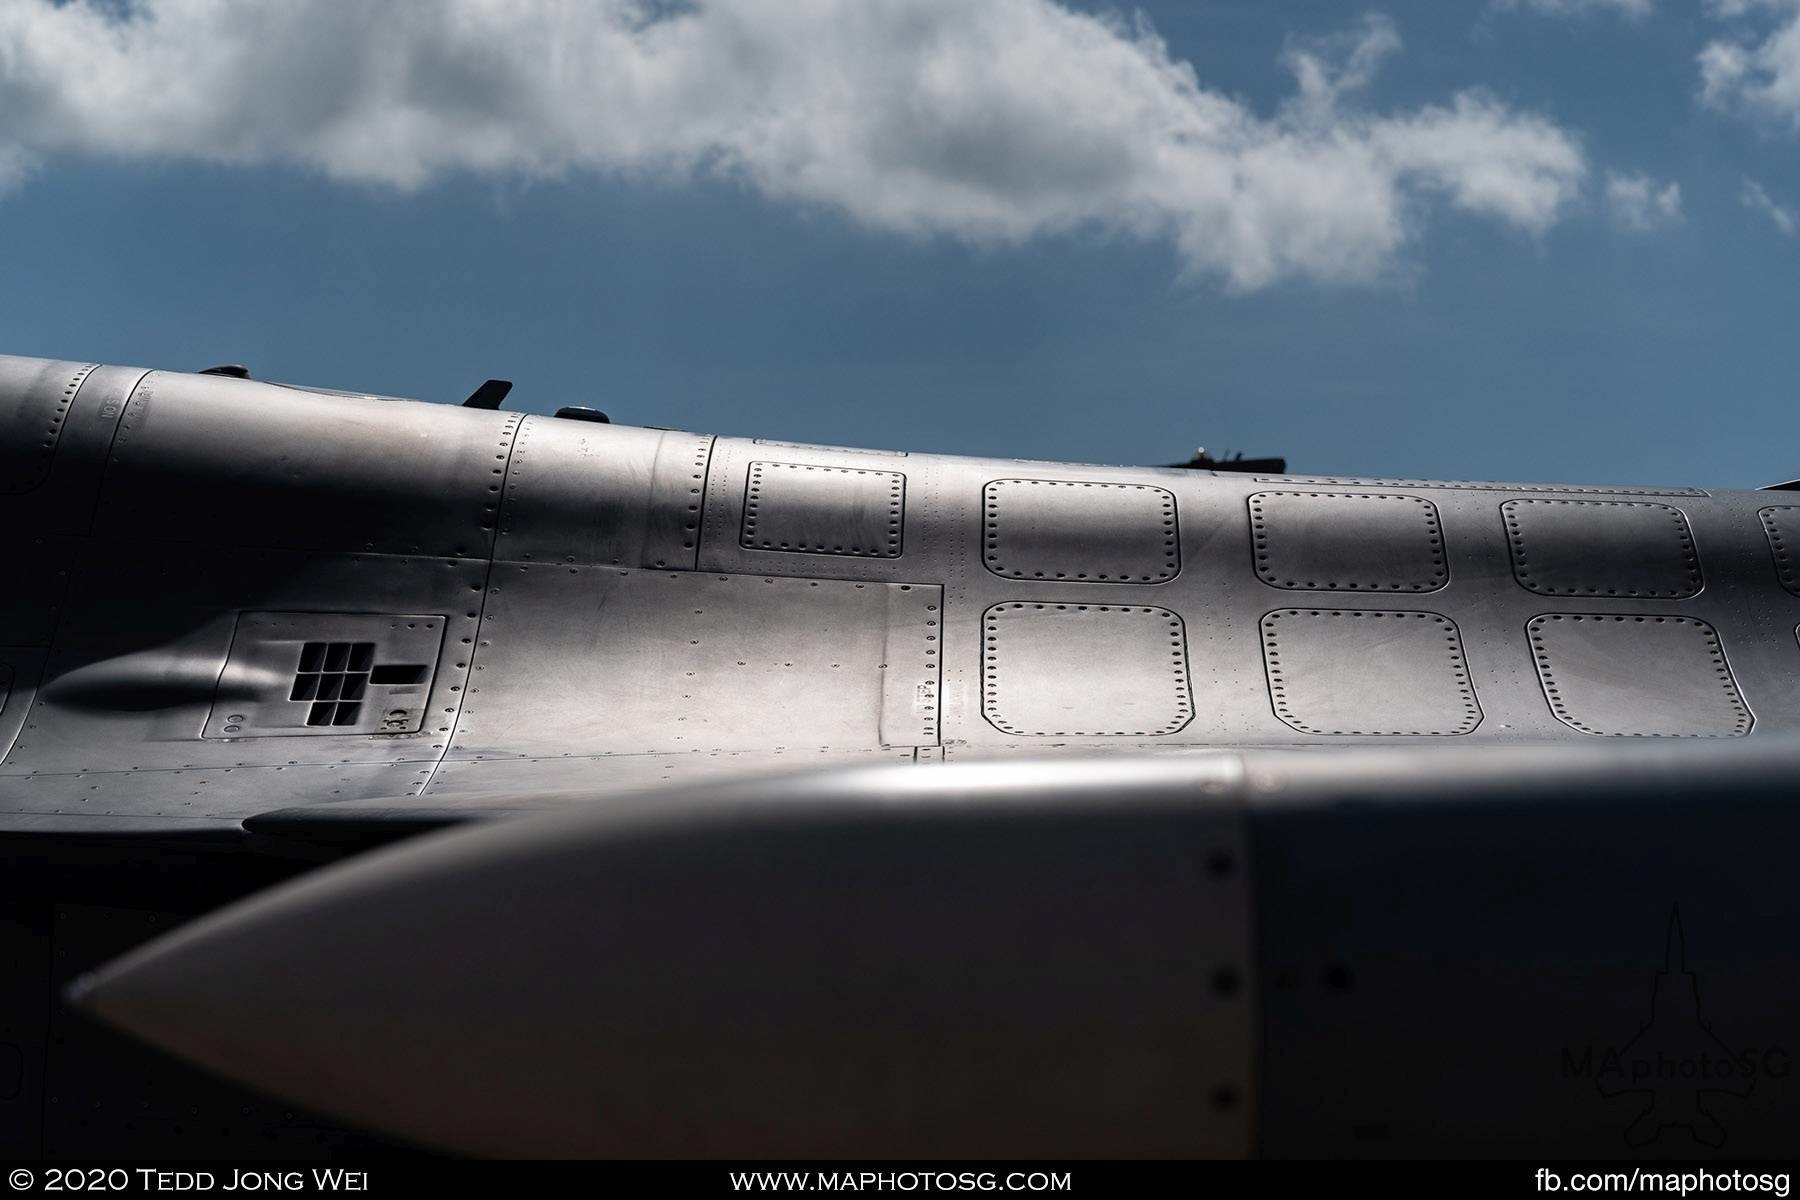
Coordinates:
[1792,485]
[229,370]
[584,414]
[1202,461]
[489,395]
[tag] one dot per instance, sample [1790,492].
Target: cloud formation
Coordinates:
[989,122]
[1756,70]
[1581,8]
[1756,198]
[1641,204]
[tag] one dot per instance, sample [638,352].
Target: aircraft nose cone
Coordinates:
[1001,964]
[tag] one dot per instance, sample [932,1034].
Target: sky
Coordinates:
[1551,240]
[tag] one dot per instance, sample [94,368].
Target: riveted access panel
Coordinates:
[230,462]
[299,674]
[48,480]
[578,492]
[1337,541]
[1634,675]
[1080,532]
[1781,525]
[35,397]
[580,661]
[1602,548]
[1066,670]
[809,509]
[1334,671]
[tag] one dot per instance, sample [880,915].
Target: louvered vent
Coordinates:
[325,673]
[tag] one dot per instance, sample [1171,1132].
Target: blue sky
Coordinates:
[1511,290]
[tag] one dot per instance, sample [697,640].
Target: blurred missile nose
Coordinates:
[80,991]
[1017,960]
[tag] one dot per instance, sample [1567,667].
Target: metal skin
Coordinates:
[1086,898]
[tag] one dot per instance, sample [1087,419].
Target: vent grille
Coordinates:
[326,673]
[333,679]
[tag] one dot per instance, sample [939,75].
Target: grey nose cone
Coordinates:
[991,961]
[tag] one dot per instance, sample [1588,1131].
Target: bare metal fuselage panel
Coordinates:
[227,597]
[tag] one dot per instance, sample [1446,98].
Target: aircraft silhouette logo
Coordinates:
[1675,1064]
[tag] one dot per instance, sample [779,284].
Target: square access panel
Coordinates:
[805,509]
[1331,541]
[1080,532]
[1782,528]
[1335,672]
[1637,675]
[1084,670]
[297,674]
[1602,548]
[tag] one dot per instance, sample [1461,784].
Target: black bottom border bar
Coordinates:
[448,1178]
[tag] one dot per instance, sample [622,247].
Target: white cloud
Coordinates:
[1757,200]
[14,166]
[989,122]
[1582,8]
[1641,204]
[1755,71]
[1328,69]
[1726,9]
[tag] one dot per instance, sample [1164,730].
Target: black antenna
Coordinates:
[1202,461]
[489,395]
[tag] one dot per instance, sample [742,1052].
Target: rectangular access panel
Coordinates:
[585,661]
[324,673]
